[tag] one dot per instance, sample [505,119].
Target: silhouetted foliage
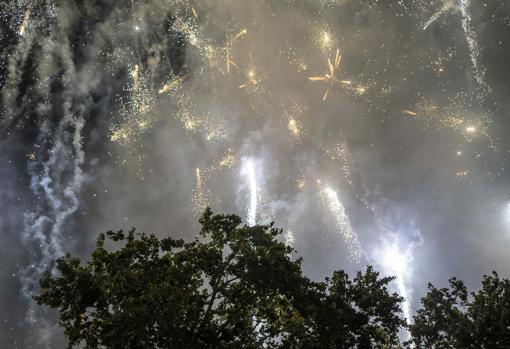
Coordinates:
[453,318]
[233,287]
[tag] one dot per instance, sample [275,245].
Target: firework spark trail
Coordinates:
[344,225]
[26,18]
[469,33]
[396,261]
[199,197]
[56,173]
[474,48]
[395,251]
[248,171]
[436,15]
[19,58]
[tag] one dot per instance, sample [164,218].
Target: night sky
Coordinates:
[372,132]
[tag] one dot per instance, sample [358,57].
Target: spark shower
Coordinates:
[372,132]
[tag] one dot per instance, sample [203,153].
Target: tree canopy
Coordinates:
[454,318]
[234,286]
[237,286]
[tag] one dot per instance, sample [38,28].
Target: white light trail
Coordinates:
[469,33]
[474,49]
[396,261]
[436,15]
[344,225]
[248,171]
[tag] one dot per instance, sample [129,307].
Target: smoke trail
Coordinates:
[57,182]
[55,167]
[343,224]
[248,171]
[289,238]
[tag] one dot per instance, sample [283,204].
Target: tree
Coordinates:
[233,287]
[453,318]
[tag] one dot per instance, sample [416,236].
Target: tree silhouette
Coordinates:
[453,318]
[234,286]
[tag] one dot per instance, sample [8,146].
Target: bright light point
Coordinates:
[396,262]
[326,38]
[393,259]
[137,28]
[459,153]
[470,129]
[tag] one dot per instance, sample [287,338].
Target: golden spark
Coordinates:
[171,85]
[408,112]
[331,75]
[26,18]
[294,127]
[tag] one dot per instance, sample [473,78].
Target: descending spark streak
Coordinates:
[248,171]
[199,197]
[474,50]
[228,50]
[469,33]
[342,220]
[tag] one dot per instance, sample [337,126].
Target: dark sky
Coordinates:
[116,114]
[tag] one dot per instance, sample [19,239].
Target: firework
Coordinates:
[436,15]
[409,112]
[342,222]
[294,127]
[324,38]
[171,85]
[199,196]
[251,78]
[301,183]
[455,119]
[340,153]
[248,172]
[228,49]
[396,262]
[32,156]
[228,160]
[26,18]
[330,76]
[136,111]
[469,33]
[135,76]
